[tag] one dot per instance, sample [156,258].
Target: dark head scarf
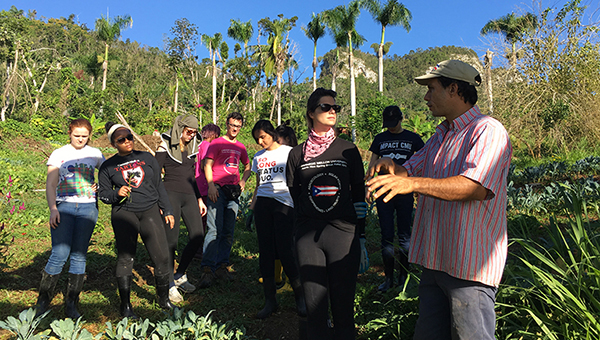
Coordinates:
[173,136]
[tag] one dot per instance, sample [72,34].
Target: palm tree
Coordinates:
[242,32]
[109,30]
[277,50]
[343,21]
[213,44]
[314,31]
[513,28]
[392,13]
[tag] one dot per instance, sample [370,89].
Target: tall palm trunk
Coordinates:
[380,59]
[214,86]
[279,75]
[314,66]
[176,92]
[352,88]
[488,75]
[104,66]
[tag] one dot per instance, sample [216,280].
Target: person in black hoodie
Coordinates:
[130,181]
[325,178]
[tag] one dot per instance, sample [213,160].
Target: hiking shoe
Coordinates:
[222,273]
[183,284]
[207,277]
[174,295]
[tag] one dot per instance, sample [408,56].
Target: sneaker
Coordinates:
[207,277]
[183,284]
[222,273]
[174,295]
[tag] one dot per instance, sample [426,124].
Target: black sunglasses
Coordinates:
[122,139]
[328,107]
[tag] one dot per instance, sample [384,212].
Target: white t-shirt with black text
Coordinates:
[270,167]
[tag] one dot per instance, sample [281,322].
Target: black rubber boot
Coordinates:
[124,284]
[299,296]
[388,265]
[403,270]
[74,288]
[162,291]
[46,294]
[270,299]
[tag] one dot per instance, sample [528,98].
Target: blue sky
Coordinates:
[435,22]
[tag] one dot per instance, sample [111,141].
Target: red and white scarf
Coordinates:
[316,145]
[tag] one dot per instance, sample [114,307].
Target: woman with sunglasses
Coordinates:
[177,156]
[130,181]
[71,196]
[325,177]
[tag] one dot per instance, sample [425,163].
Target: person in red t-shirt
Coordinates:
[221,170]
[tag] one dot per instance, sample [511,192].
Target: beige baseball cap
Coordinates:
[453,69]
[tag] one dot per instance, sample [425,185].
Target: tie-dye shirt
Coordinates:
[75,173]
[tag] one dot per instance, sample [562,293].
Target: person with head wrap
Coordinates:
[176,155]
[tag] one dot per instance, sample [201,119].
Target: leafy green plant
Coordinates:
[552,286]
[119,332]
[68,329]
[421,126]
[97,124]
[24,327]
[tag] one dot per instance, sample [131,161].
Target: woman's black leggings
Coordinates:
[185,206]
[149,225]
[329,254]
[275,231]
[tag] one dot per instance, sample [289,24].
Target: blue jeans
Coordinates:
[70,240]
[221,217]
[403,206]
[451,308]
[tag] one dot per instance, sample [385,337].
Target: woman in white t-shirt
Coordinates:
[71,195]
[273,215]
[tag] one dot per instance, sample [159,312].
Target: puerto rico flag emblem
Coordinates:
[324,190]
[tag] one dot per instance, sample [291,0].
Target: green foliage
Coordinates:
[25,326]
[49,128]
[549,102]
[551,288]
[421,125]
[180,326]
[369,121]
[68,329]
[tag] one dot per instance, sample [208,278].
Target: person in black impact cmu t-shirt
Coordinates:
[399,145]
[325,178]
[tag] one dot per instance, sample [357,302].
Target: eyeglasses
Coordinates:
[327,107]
[190,132]
[122,139]
[234,126]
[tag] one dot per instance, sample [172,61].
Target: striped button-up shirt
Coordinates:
[466,239]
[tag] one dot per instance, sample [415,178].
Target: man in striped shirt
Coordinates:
[459,234]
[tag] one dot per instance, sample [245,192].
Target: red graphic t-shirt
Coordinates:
[226,156]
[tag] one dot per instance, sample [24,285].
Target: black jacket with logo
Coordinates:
[326,186]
